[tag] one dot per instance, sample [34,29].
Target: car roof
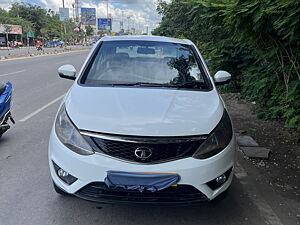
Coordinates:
[146,38]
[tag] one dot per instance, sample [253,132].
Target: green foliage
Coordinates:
[89,30]
[44,23]
[256,41]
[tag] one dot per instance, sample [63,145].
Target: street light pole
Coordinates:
[128,17]
[77,11]
[107,9]
[65,28]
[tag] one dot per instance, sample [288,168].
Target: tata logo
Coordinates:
[143,152]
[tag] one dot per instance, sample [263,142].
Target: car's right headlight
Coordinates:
[217,140]
[69,135]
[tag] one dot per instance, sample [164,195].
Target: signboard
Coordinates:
[30,34]
[64,14]
[10,29]
[88,16]
[104,24]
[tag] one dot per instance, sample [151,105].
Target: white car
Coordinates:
[142,123]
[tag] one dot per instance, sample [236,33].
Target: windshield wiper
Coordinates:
[149,84]
[145,84]
[191,84]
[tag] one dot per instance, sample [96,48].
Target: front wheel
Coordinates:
[58,190]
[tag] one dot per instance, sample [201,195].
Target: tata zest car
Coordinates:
[142,123]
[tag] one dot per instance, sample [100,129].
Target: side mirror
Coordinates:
[67,72]
[222,77]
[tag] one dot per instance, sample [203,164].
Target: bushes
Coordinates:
[256,41]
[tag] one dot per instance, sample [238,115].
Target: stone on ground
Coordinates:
[246,141]
[256,152]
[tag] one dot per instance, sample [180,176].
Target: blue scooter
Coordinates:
[5,104]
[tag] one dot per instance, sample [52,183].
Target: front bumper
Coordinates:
[92,169]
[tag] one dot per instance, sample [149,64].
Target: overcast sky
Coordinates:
[142,13]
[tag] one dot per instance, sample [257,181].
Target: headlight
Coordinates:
[217,140]
[69,135]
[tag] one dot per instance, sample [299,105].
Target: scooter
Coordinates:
[5,104]
[39,48]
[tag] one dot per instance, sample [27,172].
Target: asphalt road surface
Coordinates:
[26,192]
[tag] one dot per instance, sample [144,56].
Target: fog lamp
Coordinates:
[63,175]
[221,179]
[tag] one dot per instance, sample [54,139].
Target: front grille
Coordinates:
[99,192]
[161,149]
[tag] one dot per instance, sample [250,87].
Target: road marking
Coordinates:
[41,109]
[6,74]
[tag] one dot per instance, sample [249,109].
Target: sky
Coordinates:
[141,13]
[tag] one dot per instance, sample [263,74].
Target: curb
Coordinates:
[55,52]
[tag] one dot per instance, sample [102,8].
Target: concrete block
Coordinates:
[256,152]
[246,141]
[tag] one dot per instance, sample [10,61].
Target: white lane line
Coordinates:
[6,74]
[41,109]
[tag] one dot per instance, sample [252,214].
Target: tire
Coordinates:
[58,190]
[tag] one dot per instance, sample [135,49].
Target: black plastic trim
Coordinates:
[99,192]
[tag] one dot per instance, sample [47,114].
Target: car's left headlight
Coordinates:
[217,140]
[69,135]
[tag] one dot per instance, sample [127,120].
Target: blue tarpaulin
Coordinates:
[140,181]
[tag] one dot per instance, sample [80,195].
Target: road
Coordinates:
[26,193]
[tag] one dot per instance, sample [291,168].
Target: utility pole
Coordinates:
[107,9]
[128,17]
[77,10]
[73,6]
[65,27]
[122,21]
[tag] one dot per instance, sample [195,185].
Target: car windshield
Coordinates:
[145,63]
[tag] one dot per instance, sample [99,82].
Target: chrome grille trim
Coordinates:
[144,140]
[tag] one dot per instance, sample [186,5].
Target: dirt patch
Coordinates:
[282,169]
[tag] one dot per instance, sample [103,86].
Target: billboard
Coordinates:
[104,24]
[88,16]
[63,14]
[11,29]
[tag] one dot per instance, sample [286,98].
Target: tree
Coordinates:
[256,41]
[31,13]
[89,30]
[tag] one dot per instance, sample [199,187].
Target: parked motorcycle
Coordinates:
[5,104]
[39,48]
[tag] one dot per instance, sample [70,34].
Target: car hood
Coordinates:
[144,111]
